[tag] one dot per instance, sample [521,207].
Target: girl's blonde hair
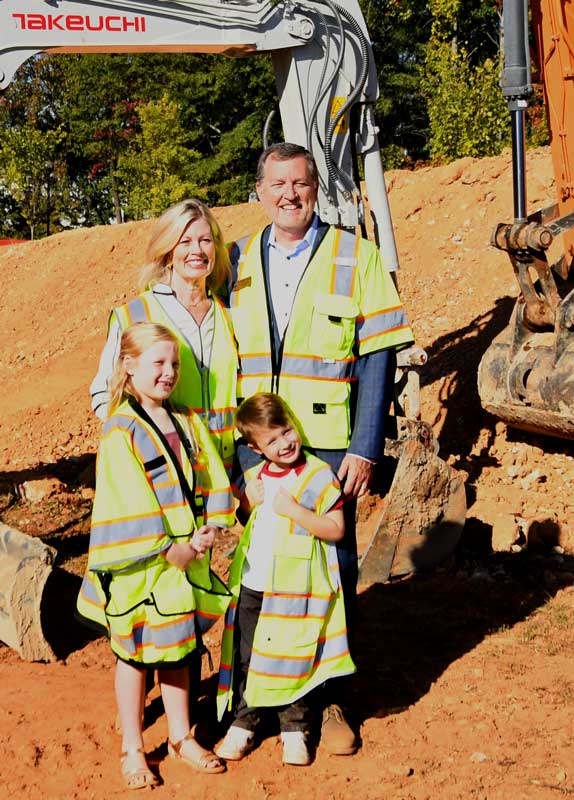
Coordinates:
[167,232]
[135,340]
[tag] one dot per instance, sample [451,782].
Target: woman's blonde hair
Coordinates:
[167,232]
[135,340]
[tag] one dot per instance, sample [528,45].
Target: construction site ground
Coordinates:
[465,686]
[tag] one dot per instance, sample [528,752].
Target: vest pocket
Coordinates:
[332,329]
[292,564]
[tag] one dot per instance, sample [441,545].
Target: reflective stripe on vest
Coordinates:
[219,418]
[300,638]
[161,474]
[315,374]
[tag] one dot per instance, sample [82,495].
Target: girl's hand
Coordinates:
[284,503]
[203,539]
[255,492]
[180,554]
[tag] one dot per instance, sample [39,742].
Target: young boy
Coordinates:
[285,631]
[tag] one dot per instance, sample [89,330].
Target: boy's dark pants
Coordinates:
[293,717]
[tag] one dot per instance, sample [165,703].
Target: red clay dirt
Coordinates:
[465,686]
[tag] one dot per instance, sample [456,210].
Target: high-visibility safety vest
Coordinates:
[211,392]
[151,610]
[346,305]
[300,638]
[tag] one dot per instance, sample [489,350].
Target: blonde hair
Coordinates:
[263,410]
[135,340]
[167,232]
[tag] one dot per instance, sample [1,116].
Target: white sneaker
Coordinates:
[236,744]
[295,748]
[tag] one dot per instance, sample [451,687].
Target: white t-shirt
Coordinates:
[259,556]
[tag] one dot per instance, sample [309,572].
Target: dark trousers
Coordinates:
[293,717]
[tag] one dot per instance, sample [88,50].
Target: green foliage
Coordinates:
[27,160]
[155,169]
[468,115]
[399,31]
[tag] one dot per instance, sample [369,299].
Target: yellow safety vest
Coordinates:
[150,609]
[346,305]
[211,393]
[300,638]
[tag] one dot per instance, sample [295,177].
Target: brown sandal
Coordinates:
[207,762]
[136,776]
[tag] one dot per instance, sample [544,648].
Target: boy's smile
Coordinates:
[281,446]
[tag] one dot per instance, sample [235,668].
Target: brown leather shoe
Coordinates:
[336,735]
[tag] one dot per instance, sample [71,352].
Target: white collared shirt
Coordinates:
[198,337]
[286,268]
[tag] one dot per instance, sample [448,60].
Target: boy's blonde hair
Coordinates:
[135,340]
[167,232]
[263,410]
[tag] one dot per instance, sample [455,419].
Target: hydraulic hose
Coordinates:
[336,174]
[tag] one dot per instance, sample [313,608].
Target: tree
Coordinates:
[27,158]
[156,167]
[399,31]
[467,113]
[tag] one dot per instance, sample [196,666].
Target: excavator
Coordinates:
[526,376]
[326,86]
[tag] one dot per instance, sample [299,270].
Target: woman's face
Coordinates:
[193,257]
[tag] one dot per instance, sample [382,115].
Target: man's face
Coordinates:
[288,194]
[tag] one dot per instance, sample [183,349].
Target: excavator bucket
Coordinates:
[423,514]
[525,377]
[25,563]
[421,519]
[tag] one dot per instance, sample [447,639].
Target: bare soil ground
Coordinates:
[465,686]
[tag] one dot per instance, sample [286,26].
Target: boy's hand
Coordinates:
[284,503]
[203,539]
[254,492]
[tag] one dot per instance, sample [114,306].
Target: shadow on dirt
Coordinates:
[411,630]
[64,632]
[454,359]
[75,471]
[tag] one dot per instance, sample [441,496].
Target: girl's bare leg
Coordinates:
[130,689]
[174,684]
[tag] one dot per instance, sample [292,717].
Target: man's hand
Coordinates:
[254,491]
[355,475]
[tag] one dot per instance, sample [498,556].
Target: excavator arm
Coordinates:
[525,377]
[322,57]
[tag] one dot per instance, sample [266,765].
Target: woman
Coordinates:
[187,262]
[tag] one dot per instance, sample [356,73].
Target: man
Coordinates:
[317,319]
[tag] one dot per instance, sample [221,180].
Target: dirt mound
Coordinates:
[456,667]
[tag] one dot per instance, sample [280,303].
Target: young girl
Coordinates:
[161,493]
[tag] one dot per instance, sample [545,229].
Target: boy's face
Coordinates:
[281,446]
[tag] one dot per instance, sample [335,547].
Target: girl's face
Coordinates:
[154,373]
[193,257]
